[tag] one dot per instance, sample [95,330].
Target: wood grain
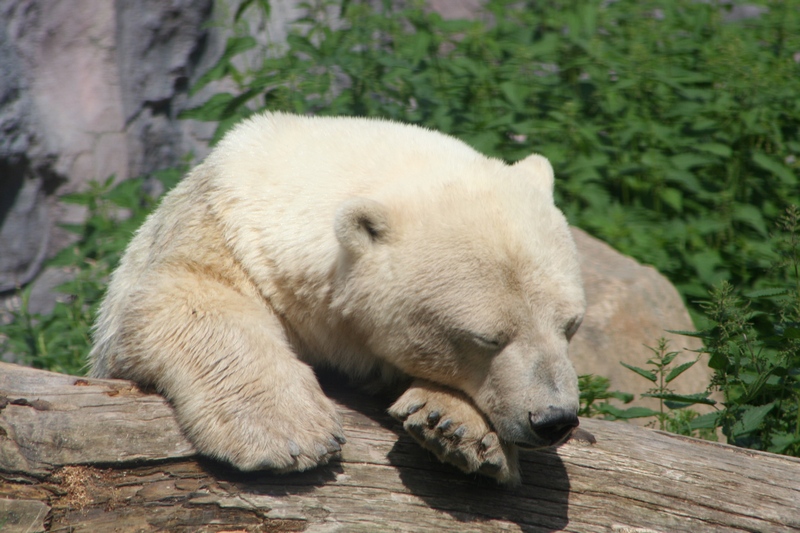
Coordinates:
[92,455]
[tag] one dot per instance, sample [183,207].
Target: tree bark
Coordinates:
[80,454]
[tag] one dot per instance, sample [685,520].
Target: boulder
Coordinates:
[631,306]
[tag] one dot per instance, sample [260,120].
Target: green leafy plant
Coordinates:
[661,372]
[754,347]
[60,340]
[595,397]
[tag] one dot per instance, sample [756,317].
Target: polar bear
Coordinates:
[384,250]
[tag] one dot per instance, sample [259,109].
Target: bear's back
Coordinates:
[278,179]
[334,157]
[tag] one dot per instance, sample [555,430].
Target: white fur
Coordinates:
[370,246]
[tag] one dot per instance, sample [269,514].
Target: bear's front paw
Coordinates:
[294,441]
[446,422]
[287,433]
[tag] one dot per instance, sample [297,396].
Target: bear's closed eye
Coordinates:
[487,341]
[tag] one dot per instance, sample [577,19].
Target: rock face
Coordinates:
[92,89]
[24,168]
[87,90]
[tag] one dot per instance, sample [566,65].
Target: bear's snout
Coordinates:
[553,425]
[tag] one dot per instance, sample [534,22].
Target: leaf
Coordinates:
[300,43]
[673,198]
[513,93]
[688,399]
[752,419]
[690,160]
[678,370]
[775,167]
[233,47]
[766,293]
[236,45]
[219,107]
[77,198]
[169,177]
[263,4]
[781,441]
[647,374]
[706,421]
[715,148]
[706,264]
[420,43]
[751,216]
[668,358]
[72,228]
[684,178]
[688,333]
[792,332]
[127,194]
[626,414]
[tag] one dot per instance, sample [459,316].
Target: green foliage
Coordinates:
[754,347]
[675,134]
[661,373]
[60,340]
[595,397]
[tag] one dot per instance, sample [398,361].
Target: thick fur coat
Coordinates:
[376,248]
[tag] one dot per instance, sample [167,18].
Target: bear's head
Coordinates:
[474,283]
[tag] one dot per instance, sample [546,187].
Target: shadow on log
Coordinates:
[79,454]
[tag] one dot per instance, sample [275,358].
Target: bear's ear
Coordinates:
[538,168]
[361,223]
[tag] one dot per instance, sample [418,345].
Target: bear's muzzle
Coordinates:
[552,426]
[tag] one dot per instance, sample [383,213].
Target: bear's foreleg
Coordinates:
[447,423]
[221,357]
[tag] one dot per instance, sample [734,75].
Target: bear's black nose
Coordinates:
[554,424]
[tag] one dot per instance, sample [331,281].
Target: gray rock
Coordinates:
[24,211]
[87,90]
[630,306]
[159,46]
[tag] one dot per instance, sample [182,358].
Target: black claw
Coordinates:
[415,430]
[458,458]
[334,446]
[436,446]
[444,426]
[340,439]
[433,418]
[460,432]
[490,468]
[414,408]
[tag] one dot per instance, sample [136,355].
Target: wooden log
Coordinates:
[79,454]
